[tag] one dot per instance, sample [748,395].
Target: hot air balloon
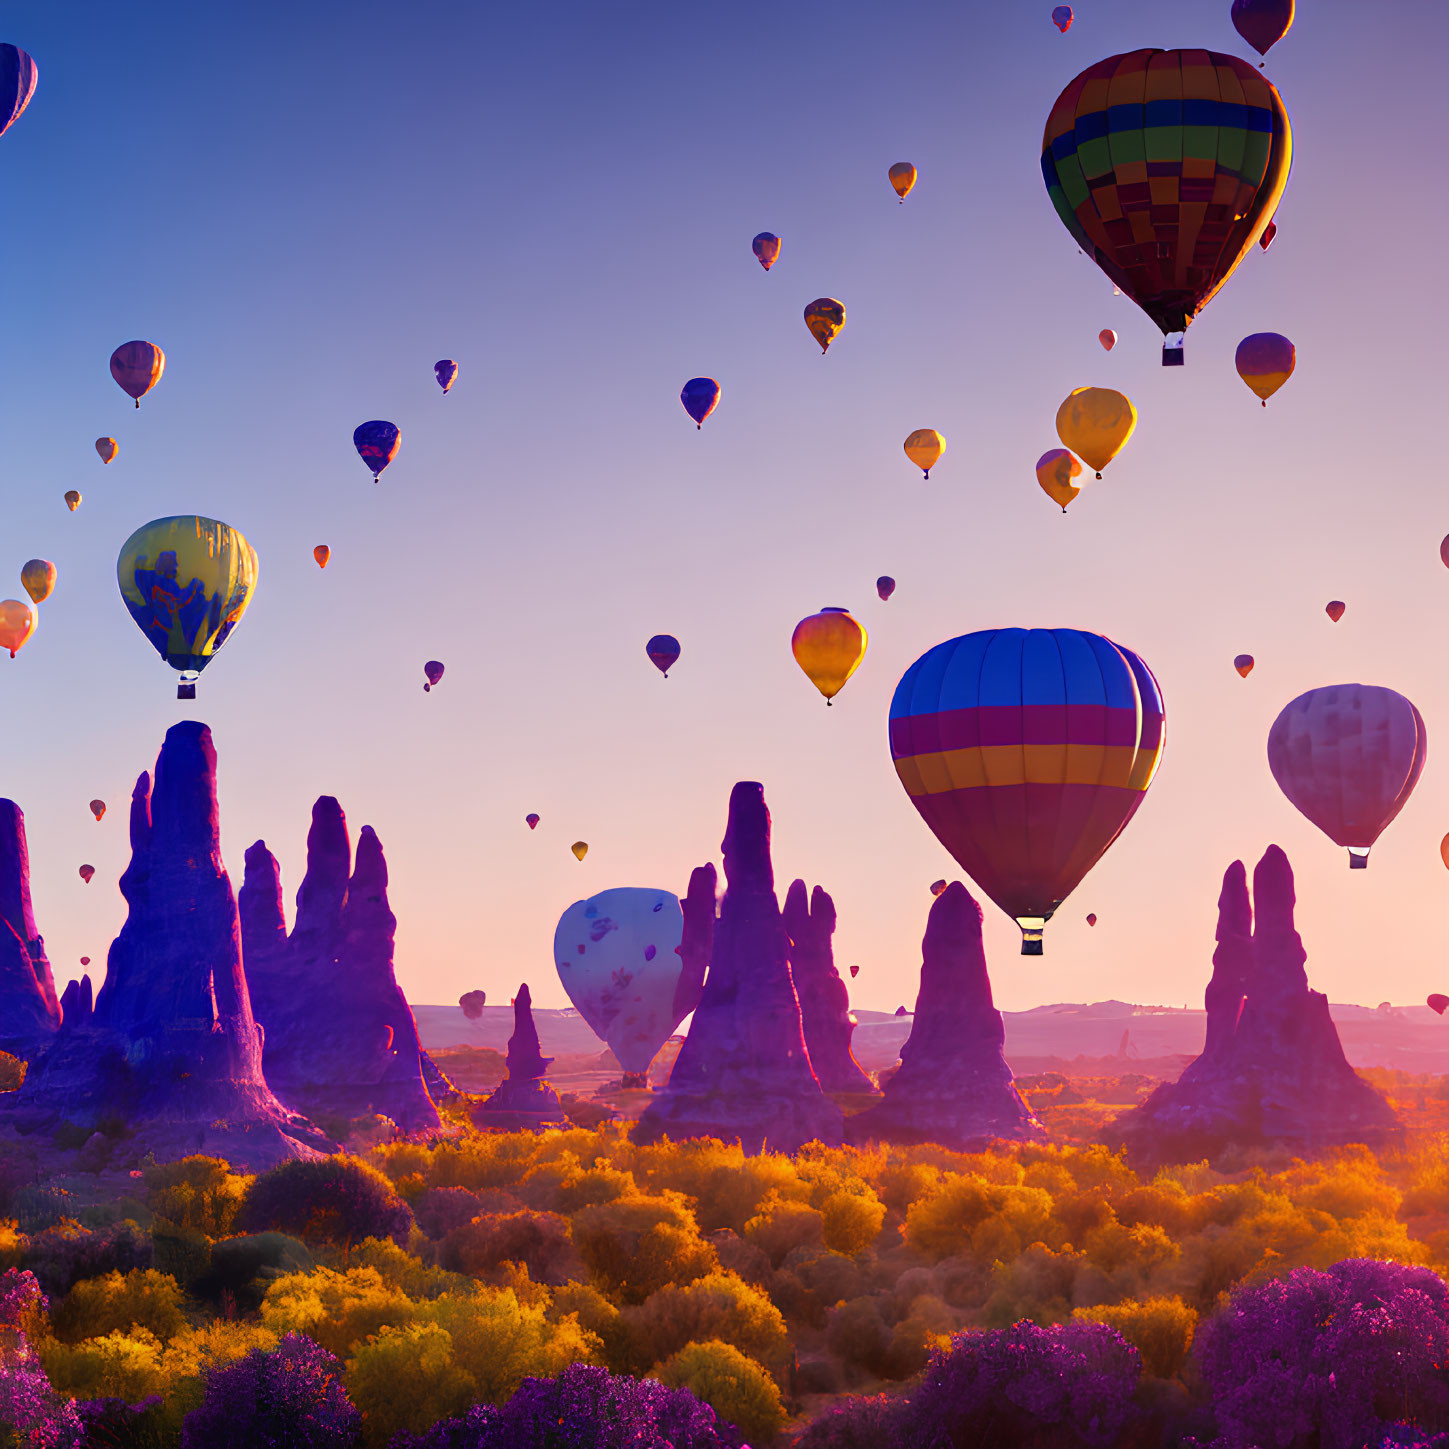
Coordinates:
[663,650]
[72,499]
[1095,423]
[937,887]
[903,178]
[1055,471]
[1444,551]
[532,821]
[1107,338]
[1027,751]
[766,248]
[137,368]
[107,448]
[445,371]
[580,849]
[1243,663]
[1444,851]
[1265,361]
[825,317]
[1166,166]
[924,448]
[618,957]
[98,809]
[86,872]
[1348,756]
[1062,18]
[1437,1003]
[1262,23]
[885,586]
[85,960]
[377,444]
[1269,232]
[854,972]
[187,581]
[17,84]
[322,553]
[1092,918]
[38,579]
[1335,609]
[828,646]
[434,672]
[17,624]
[700,396]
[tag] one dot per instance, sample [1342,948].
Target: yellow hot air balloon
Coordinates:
[107,448]
[322,553]
[924,448]
[186,582]
[17,624]
[1055,471]
[829,646]
[1095,423]
[825,317]
[38,577]
[903,178]
[580,848]
[72,499]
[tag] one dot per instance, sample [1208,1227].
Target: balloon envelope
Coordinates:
[1438,1002]
[619,961]
[885,586]
[322,553]
[1269,232]
[377,444]
[434,672]
[1243,663]
[532,821]
[98,808]
[924,448]
[86,872]
[663,650]
[1348,756]
[1335,609]
[1265,361]
[72,499]
[445,371]
[1444,551]
[700,396]
[1062,18]
[1165,166]
[854,972]
[17,624]
[1444,851]
[1054,472]
[580,849]
[1092,919]
[107,448]
[829,646]
[137,368]
[18,76]
[937,887]
[1263,23]
[825,317]
[766,248]
[903,178]
[38,579]
[1095,423]
[1027,751]
[1107,338]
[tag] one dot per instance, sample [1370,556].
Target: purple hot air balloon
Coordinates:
[17,84]
[885,586]
[445,371]
[663,650]
[434,671]
[1062,18]
[700,396]
[766,248]
[377,444]
[532,821]
[1262,23]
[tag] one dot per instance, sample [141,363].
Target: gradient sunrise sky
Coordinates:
[306,205]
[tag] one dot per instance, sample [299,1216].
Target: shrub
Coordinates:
[863,1423]
[718,1306]
[441,1209]
[243,1267]
[31,1412]
[738,1389]
[336,1309]
[967,1215]
[782,1225]
[115,1424]
[334,1200]
[289,1398]
[23,1307]
[852,1221]
[1160,1329]
[636,1245]
[122,1365]
[406,1379]
[540,1241]
[199,1193]
[63,1255]
[118,1302]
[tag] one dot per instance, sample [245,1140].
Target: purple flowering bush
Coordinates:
[288,1398]
[1340,1359]
[32,1414]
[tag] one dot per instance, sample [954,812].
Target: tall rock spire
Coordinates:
[523,1101]
[29,1010]
[824,997]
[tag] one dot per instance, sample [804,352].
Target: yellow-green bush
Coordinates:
[116,1302]
[738,1389]
[971,1216]
[337,1309]
[1161,1330]
[634,1246]
[199,1193]
[718,1306]
[852,1221]
[782,1225]
[406,1379]
[123,1365]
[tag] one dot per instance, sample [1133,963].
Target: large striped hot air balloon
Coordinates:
[1166,166]
[1027,751]
[1348,757]
[17,84]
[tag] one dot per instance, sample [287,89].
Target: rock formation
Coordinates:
[1272,1069]
[954,1086]
[743,1071]
[170,1048]
[824,997]
[340,1039]
[523,1101]
[29,1011]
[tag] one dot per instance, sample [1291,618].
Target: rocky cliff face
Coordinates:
[340,1039]
[1272,1069]
[743,1071]
[954,1086]
[29,1011]
[170,1047]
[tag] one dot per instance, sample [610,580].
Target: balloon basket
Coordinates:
[1357,858]
[186,689]
[1173,357]
[1030,947]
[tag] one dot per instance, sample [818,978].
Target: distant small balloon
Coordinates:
[885,586]
[1269,232]
[98,808]
[1054,472]
[825,317]
[377,443]
[17,624]
[580,848]
[829,646]
[766,247]
[85,960]
[700,396]
[1444,851]
[72,499]
[1438,1002]
[663,650]
[38,578]
[903,178]
[924,448]
[434,671]
[473,1003]
[855,971]
[445,371]
[1335,609]
[532,821]
[1062,18]
[1243,663]
[1444,551]
[1265,361]
[137,368]
[86,872]
[107,448]
[1262,23]
[1092,918]
[937,886]
[1107,338]
[322,553]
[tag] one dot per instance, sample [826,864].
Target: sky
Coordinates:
[307,205]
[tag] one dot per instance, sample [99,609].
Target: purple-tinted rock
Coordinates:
[171,1047]
[698,907]
[824,997]
[29,1010]
[340,1038]
[523,1101]
[1272,1070]
[743,1071]
[953,1086]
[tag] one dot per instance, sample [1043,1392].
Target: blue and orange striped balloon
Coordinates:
[1265,361]
[1027,751]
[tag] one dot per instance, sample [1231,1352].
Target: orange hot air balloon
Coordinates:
[580,849]
[98,809]
[937,886]
[72,499]
[86,872]
[1244,664]
[107,448]
[924,448]
[1335,609]
[825,317]
[1095,423]
[38,577]
[1438,1002]
[17,624]
[1444,851]
[903,178]
[137,368]
[322,553]
[1092,919]
[829,646]
[1107,338]
[1055,471]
